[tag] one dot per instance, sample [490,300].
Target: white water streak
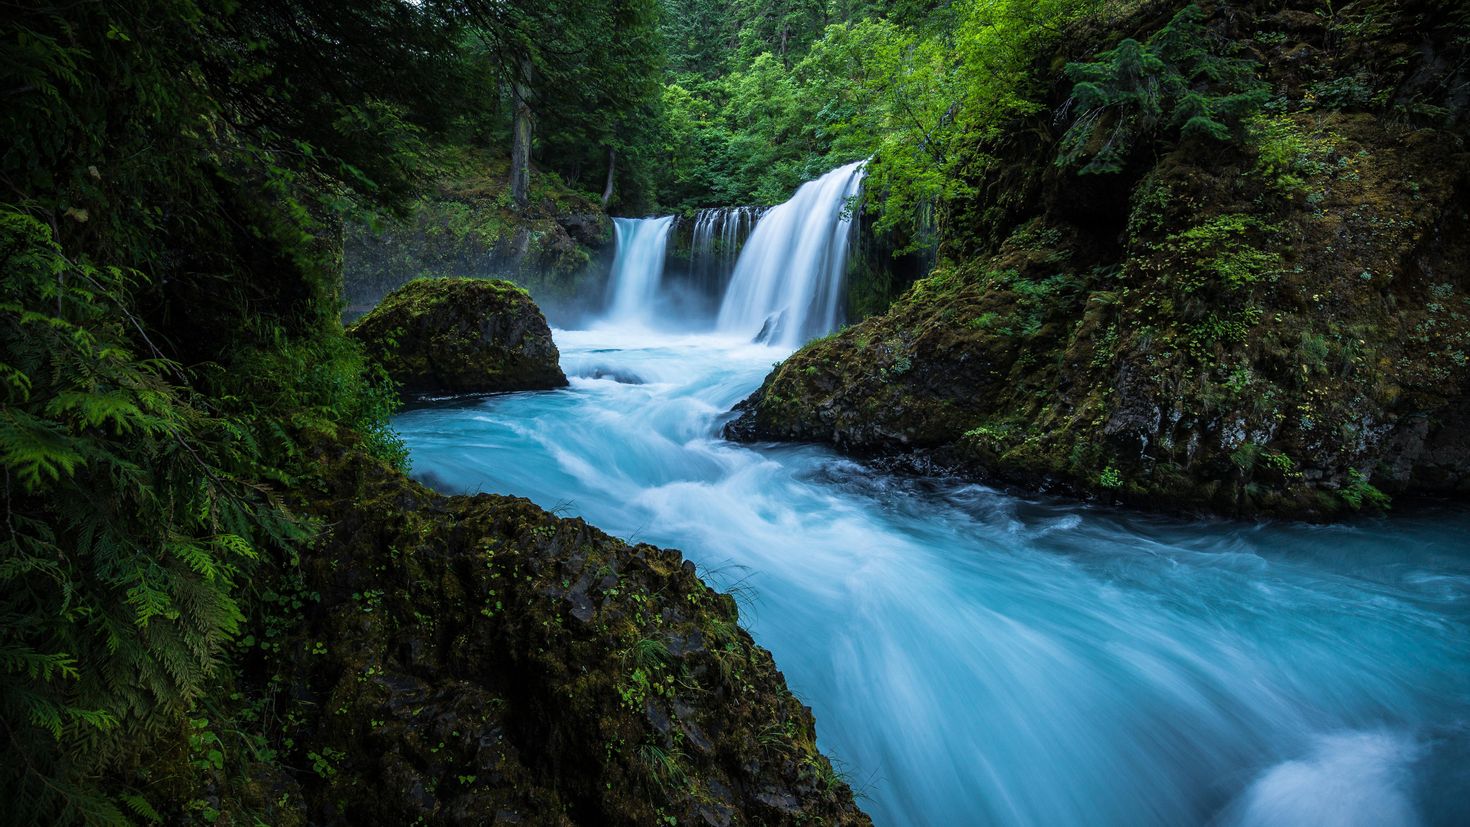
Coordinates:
[787,284]
[638,267]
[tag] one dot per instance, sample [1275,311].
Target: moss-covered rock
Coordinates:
[461,336]
[1274,323]
[475,660]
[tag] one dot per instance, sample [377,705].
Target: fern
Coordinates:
[128,525]
[1178,79]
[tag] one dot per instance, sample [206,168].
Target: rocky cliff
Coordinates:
[1223,270]
[466,226]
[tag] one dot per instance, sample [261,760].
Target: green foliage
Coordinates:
[1360,493]
[911,86]
[1110,478]
[1178,81]
[132,510]
[590,69]
[168,333]
[1228,250]
[1290,156]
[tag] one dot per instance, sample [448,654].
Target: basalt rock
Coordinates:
[1277,322]
[461,336]
[476,660]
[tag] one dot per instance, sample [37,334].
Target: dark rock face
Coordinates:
[475,660]
[465,226]
[461,336]
[1278,323]
[590,229]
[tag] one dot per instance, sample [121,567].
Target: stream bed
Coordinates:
[974,657]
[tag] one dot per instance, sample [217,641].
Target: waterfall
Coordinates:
[638,267]
[774,273]
[714,244]
[786,287]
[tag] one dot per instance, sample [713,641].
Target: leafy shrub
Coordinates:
[1175,81]
[1288,155]
[132,512]
[1359,492]
[1222,249]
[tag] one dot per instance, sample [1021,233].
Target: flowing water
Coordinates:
[787,285]
[638,267]
[714,244]
[978,658]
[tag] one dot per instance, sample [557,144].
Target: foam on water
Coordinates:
[977,658]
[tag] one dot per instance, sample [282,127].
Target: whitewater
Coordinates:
[978,657]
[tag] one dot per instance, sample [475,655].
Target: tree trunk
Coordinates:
[612,166]
[520,148]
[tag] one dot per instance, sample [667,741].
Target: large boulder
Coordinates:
[461,336]
[477,660]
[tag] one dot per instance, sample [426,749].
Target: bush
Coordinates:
[1134,91]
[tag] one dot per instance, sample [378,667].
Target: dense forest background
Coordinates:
[174,187]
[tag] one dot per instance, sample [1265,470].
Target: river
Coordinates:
[975,657]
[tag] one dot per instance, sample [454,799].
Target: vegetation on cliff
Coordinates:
[1217,265]
[466,224]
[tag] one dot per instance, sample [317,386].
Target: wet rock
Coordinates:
[465,678]
[592,229]
[623,377]
[446,336]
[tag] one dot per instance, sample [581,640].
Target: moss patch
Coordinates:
[461,336]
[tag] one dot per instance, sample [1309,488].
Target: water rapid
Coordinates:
[975,658]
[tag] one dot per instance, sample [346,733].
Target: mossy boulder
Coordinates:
[476,660]
[461,336]
[1277,322]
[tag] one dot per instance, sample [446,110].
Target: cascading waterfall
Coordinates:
[715,245]
[787,285]
[779,268]
[638,267]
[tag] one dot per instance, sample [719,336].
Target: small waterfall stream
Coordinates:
[638,267]
[714,245]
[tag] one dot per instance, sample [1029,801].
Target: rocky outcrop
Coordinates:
[1276,322]
[475,660]
[461,336]
[466,226]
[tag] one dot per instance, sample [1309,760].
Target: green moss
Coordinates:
[461,336]
[1236,325]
